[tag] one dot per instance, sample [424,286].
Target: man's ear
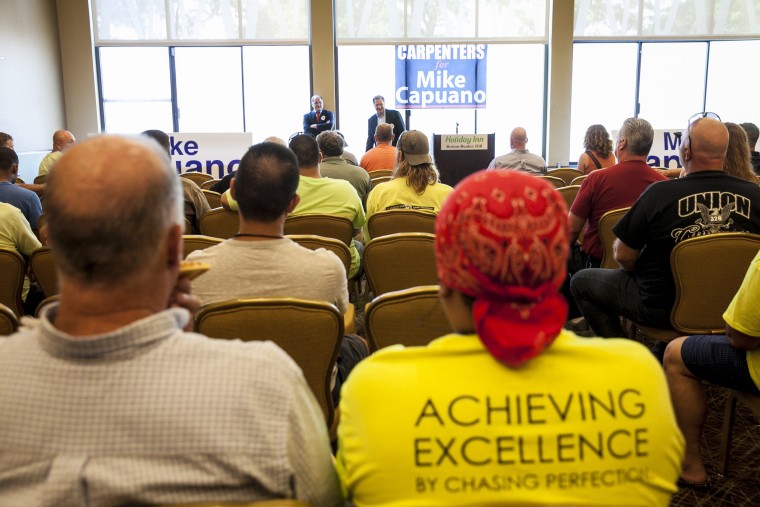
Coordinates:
[293,203]
[174,245]
[232,189]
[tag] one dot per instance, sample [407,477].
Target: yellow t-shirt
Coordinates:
[743,316]
[588,422]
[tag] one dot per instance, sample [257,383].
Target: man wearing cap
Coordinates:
[415,184]
[383,115]
[508,409]
[519,158]
[334,166]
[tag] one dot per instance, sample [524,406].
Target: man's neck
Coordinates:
[627,157]
[84,311]
[310,172]
[253,230]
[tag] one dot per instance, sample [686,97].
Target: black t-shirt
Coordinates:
[223,185]
[669,212]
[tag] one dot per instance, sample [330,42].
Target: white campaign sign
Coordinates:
[664,152]
[214,154]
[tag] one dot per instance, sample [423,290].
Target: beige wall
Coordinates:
[31,88]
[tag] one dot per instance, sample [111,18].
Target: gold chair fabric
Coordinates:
[607,237]
[309,331]
[557,182]
[410,317]
[702,295]
[400,261]
[43,268]
[566,174]
[8,321]
[206,185]
[193,242]
[569,193]
[214,199]
[329,226]
[12,269]
[394,221]
[197,178]
[579,179]
[219,223]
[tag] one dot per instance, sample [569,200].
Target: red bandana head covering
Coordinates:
[502,238]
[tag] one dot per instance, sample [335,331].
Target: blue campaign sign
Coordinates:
[441,76]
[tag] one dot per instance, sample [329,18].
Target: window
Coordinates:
[136,89]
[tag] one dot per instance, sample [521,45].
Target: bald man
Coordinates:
[519,158]
[705,201]
[105,400]
[62,141]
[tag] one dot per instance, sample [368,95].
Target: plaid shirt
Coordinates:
[150,414]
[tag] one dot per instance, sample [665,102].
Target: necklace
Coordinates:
[241,235]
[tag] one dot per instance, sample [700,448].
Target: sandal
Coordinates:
[696,486]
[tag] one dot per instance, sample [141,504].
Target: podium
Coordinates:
[459,155]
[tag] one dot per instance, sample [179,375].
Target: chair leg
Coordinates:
[728,428]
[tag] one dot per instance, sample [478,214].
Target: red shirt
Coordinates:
[607,189]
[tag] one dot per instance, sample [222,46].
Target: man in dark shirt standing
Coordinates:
[706,201]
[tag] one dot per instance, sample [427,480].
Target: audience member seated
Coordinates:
[752,135]
[195,203]
[334,166]
[105,400]
[738,161]
[705,201]
[617,187]
[383,155]
[519,158]
[347,155]
[731,360]
[598,146]
[509,409]
[62,141]
[260,262]
[25,200]
[415,183]
[16,233]
[223,185]
[322,196]
[6,140]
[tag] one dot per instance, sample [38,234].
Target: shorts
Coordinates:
[712,358]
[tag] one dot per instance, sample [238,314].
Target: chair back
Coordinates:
[214,199]
[380,173]
[400,261]
[329,226]
[39,180]
[568,193]
[43,267]
[410,317]
[336,246]
[8,321]
[193,242]
[579,179]
[557,182]
[708,271]
[206,185]
[12,269]
[566,174]
[309,331]
[196,177]
[607,237]
[379,179]
[279,502]
[44,304]
[387,222]
[219,223]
